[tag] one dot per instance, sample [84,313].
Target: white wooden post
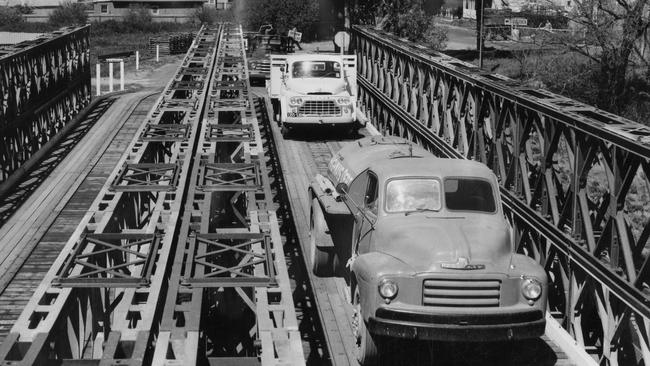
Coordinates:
[110,77]
[157,52]
[121,75]
[137,60]
[98,79]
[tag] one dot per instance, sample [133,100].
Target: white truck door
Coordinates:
[350,68]
[275,82]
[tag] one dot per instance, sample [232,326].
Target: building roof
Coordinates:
[32,3]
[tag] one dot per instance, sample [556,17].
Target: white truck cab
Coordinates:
[314,88]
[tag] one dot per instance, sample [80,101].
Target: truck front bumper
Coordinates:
[319,120]
[458,327]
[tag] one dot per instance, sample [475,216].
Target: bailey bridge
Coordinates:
[167,227]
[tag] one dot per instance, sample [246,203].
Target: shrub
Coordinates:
[417,26]
[138,18]
[69,13]
[9,16]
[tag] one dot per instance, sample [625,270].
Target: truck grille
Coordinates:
[454,292]
[320,108]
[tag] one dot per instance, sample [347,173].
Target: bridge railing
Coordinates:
[44,83]
[574,179]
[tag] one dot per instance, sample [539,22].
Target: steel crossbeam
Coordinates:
[229,299]
[573,179]
[99,303]
[44,83]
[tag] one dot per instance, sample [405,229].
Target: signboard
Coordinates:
[295,35]
[342,39]
[515,21]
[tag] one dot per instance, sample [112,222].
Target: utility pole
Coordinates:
[480,40]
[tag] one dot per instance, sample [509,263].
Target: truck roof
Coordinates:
[429,166]
[391,156]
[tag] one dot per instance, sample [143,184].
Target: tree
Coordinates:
[610,33]
[69,13]
[281,14]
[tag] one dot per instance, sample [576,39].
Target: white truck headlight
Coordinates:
[253,66]
[343,101]
[531,288]
[295,101]
[388,288]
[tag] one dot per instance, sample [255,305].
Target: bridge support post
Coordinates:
[122,75]
[98,79]
[110,77]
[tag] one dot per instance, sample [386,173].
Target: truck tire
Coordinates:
[366,344]
[321,259]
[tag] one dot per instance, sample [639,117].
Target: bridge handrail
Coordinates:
[508,88]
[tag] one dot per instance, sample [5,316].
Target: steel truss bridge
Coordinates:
[180,261]
[568,174]
[44,83]
[153,252]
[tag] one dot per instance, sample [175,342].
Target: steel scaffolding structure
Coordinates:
[571,178]
[179,261]
[44,83]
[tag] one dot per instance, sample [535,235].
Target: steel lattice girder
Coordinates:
[147,177]
[229,260]
[545,149]
[251,252]
[230,177]
[229,133]
[110,260]
[72,315]
[44,83]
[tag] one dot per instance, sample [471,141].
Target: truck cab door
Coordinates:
[278,64]
[370,208]
[360,204]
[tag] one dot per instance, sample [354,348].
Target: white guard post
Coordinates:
[98,79]
[110,62]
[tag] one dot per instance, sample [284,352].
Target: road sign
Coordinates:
[515,21]
[342,39]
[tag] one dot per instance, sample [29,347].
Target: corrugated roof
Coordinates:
[32,3]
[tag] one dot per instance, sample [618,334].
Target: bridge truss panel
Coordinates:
[100,301]
[574,179]
[229,298]
[44,83]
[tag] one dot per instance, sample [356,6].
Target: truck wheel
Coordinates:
[367,352]
[321,260]
[285,130]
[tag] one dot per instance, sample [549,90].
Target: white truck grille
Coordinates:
[448,292]
[320,108]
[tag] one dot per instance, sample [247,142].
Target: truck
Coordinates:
[424,247]
[313,88]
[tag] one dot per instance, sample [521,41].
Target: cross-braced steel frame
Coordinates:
[574,179]
[100,302]
[229,300]
[44,83]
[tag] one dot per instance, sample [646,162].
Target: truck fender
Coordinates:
[323,189]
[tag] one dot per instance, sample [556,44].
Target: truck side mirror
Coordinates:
[342,188]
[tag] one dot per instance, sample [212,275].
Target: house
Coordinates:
[161,10]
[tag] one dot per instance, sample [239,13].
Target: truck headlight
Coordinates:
[531,288]
[295,101]
[388,288]
[253,66]
[343,101]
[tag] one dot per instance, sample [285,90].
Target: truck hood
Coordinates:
[425,243]
[317,85]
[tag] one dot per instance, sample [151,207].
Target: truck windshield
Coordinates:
[469,194]
[316,69]
[413,194]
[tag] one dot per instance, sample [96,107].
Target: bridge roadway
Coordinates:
[31,239]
